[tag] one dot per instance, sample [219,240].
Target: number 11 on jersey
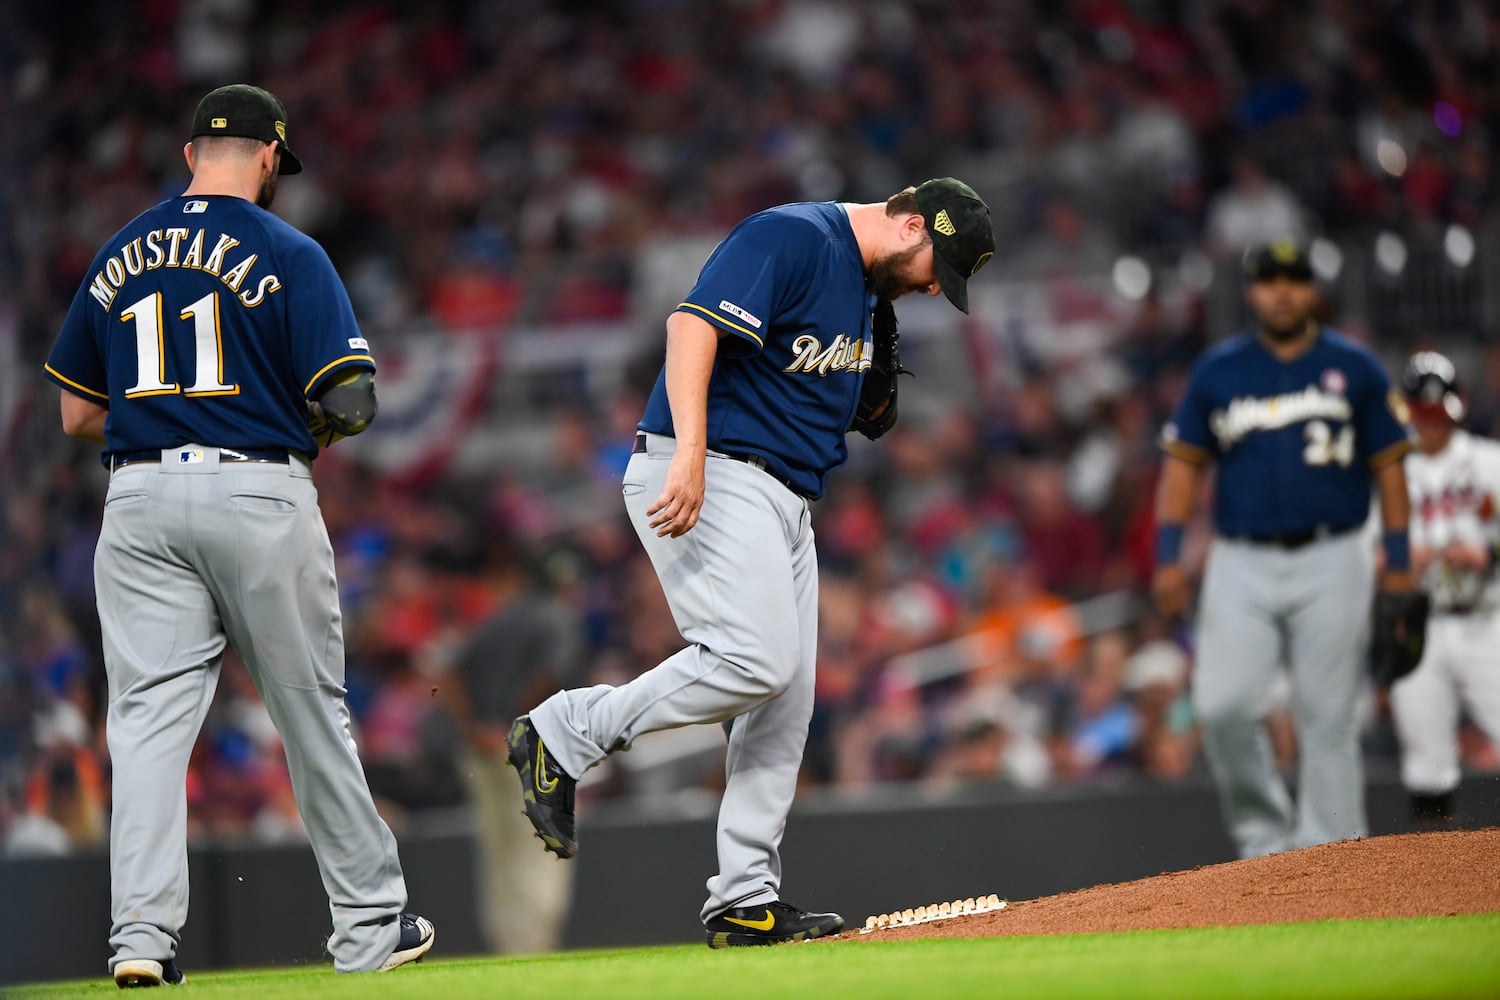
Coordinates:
[150,353]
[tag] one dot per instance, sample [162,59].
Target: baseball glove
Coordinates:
[344,408]
[1400,633]
[320,426]
[876,412]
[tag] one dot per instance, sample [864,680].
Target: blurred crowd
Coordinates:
[473,167]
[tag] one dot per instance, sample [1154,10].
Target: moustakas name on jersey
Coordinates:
[1454,497]
[1295,441]
[179,246]
[788,286]
[208,320]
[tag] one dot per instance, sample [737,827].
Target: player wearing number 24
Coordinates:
[211,350]
[1298,420]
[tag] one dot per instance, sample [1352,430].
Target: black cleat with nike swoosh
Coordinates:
[769,923]
[546,789]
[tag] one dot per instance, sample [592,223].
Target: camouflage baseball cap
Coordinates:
[242,110]
[962,239]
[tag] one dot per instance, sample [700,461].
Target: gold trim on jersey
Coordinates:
[334,364]
[721,321]
[1187,452]
[81,388]
[1389,454]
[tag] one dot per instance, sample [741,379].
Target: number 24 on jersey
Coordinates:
[1324,447]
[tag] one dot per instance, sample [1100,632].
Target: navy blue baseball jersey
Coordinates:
[207,320]
[788,285]
[1296,441]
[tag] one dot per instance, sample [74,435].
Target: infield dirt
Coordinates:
[1407,875]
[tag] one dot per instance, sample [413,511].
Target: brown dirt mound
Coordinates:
[1409,875]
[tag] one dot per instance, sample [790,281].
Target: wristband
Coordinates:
[1397,550]
[1168,543]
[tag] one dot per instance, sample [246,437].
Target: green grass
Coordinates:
[1445,957]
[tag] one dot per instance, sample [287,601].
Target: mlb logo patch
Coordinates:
[190,456]
[195,208]
[742,313]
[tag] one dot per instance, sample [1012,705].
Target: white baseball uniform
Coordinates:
[1454,499]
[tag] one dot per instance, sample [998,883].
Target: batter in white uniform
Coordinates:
[1454,484]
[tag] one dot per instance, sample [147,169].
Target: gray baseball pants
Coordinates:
[523,900]
[1263,607]
[743,589]
[189,556]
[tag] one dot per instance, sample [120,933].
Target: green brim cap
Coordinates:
[962,238]
[249,112]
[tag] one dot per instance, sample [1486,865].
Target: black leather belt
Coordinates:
[1294,539]
[756,460]
[120,459]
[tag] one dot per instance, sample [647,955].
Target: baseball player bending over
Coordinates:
[1454,480]
[1298,420]
[771,358]
[191,351]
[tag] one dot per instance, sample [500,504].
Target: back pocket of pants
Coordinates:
[115,500]
[263,502]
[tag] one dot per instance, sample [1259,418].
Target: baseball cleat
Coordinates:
[769,923]
[546,789]
[417,935]
[148,972]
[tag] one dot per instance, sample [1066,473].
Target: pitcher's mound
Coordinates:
[1409,875]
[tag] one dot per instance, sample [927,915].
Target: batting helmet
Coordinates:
[1430,383]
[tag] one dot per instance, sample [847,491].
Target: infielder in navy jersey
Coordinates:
[766,361]
[1298,420]
[210,349]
